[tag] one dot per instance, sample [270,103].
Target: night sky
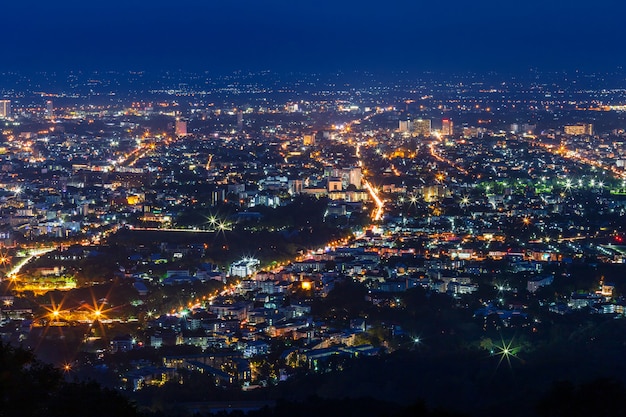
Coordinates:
[453,35]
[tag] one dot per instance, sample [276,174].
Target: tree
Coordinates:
[26,384]
[601,397]
[29,387]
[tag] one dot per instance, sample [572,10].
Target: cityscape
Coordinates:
[313,209]
[205,245]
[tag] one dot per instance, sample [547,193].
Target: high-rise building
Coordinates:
[354,176]
[5,109]
[422,127]
[405,126]
[239,120]
[447,127]
[579,129]
[295,186]
[473,132]
[49,109]
[528,128]
[308,139]
[181,127]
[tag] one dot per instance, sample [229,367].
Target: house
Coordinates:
[122,344]
[255,348]
[150,375]
[534,284]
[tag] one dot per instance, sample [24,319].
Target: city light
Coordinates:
[506,351]
[377,215]
[257,227]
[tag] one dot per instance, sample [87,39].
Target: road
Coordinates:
[32,253]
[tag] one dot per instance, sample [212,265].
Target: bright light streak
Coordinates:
[378,213]
[33,253]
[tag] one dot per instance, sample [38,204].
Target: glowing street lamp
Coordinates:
[506,351]
[212,220]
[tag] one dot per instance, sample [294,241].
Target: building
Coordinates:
[240,120]
[244,267]
[528,128]
[238,310]
[534,284]
[122,344]
[405,126]
[181,127]
[308,139]
[433,193]
[422,127]
[334,184]
[352,176]
[5,109]
[49,109]
[473,132]
[295,186]
[447,127]
[579,129]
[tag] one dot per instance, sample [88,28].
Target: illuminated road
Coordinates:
[377,215]
[575,156]
[186,230]
[440,158]
[378,212]
[156,229]
[32,253]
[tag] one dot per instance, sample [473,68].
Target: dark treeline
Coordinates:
[402,384]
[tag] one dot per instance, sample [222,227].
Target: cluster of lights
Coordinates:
[378,213]
[218,224]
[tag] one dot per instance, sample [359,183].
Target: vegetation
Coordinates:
[29,387]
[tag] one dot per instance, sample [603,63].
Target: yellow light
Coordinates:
[306,285]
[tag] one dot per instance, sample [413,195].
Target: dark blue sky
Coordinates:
[454,35]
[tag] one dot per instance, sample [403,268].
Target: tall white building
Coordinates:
[354,176]
[5,109]
[181,127]
[49,109]
[405,126]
